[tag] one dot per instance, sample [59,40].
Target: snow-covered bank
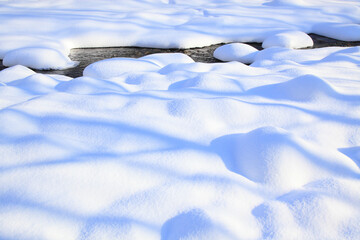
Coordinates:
[162,147]
[62,25]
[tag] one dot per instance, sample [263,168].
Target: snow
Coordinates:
[341,31]
[236,52]
[15,73]
[162,147]
[288,39]
[114,67]
[38,58]
[62,25]
[288,3]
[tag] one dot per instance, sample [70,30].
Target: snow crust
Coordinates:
[62,25]
[162,147]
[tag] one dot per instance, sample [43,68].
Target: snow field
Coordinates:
[162,147]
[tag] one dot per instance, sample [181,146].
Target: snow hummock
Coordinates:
[114,67]
[303,88]
[162,147]
[15,73]
[38,58]
[62,25]
[274,157]
[236,52]
[288,39]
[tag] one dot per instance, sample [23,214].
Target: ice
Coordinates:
[236,52]
[162,147]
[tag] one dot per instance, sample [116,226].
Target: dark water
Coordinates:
[87,56]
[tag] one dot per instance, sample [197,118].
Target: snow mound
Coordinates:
[115,67]
[274,157]
[145,81]
[38,58]
[341,31]
[278,54]
[10,42]
[236,52]
[288,39]
[262,156]
[163,59]
[196,67]
[208,81]
[194,224]
[14,73]
[302,89]
[87,85]
[35,84]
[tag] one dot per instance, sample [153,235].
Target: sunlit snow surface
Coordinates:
[162,147]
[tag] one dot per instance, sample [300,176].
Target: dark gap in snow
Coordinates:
[86,56]
[321,41]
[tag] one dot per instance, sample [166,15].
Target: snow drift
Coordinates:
[162,147]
